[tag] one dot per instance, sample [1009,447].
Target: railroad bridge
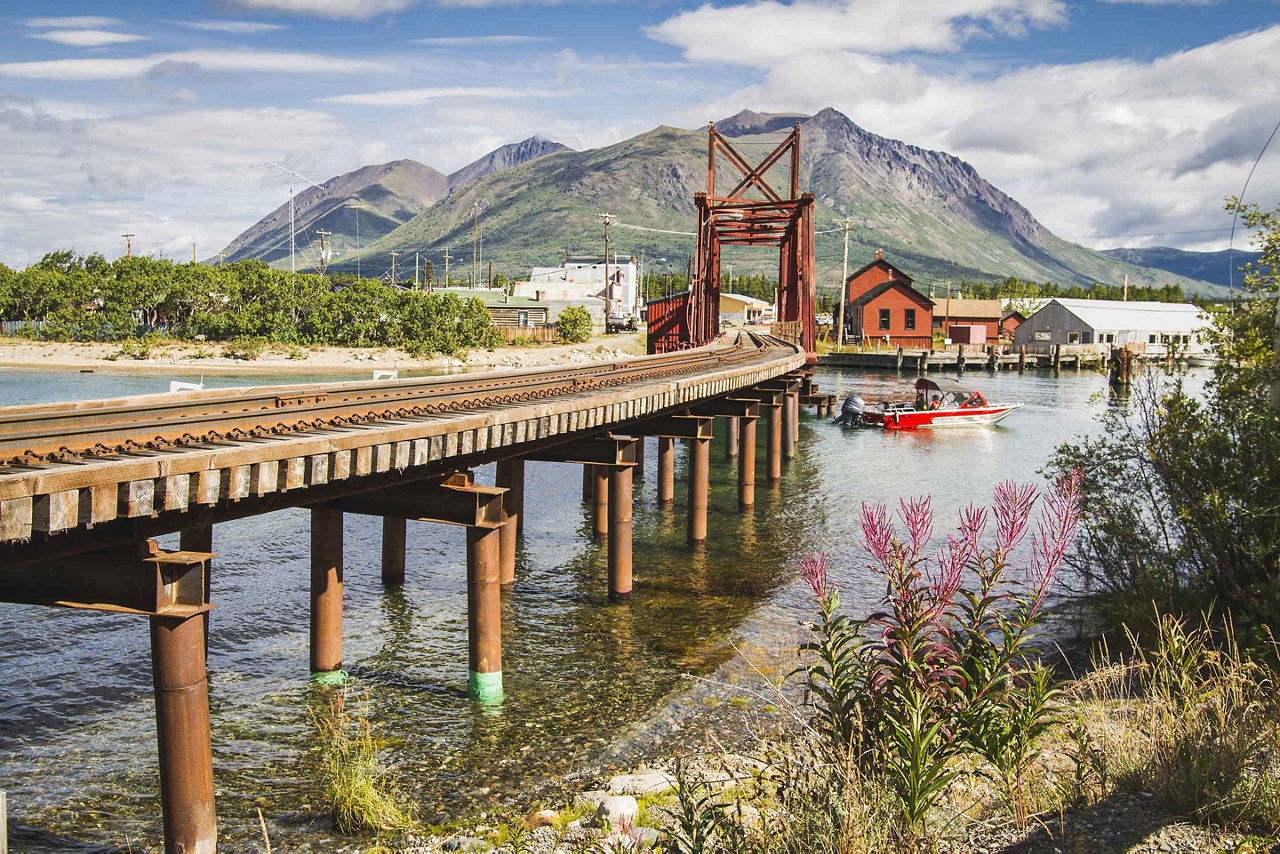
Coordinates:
[87,487]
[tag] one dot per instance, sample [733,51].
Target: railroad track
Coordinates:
[30,435]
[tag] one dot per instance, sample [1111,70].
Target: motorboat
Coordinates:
[938,403]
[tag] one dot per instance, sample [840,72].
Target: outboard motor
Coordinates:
[851,411]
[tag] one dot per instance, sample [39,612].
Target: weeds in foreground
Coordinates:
[356,784]
[940,673]
[1187,718]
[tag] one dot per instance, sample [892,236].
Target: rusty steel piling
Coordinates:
[666,470]
[747,465]
[183,735]
[620,537]
[510,476]
[699,486]
[484,614]
[326,591]
[394,531]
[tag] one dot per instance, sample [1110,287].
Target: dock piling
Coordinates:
[510,476]
[731,438]
[775,442]
[600,507]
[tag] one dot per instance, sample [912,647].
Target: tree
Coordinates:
[1183,489]
[574,325]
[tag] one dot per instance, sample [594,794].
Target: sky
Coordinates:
[1115,122]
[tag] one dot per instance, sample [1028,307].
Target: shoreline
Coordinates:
[186,358]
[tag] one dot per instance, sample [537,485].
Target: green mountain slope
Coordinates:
[932,213]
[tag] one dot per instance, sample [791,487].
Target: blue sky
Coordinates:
[1115,123]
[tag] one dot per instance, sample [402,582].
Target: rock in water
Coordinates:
[647,783]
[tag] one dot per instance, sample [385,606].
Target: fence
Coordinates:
[542,333]
[791,331]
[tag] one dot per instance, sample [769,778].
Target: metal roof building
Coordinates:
[1096,321]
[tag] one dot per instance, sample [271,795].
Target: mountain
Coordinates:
[931,212]
[504,158]
[388,195]
[1217,267]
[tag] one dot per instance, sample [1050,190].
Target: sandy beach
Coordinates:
[184,357]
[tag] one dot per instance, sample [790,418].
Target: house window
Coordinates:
[1073,337]
[522,318]
[1151,339]
[884,318]
[909,318]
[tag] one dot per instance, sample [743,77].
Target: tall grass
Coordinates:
[356,784]
[1188,718]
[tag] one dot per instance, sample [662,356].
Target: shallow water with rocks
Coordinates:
[588,684]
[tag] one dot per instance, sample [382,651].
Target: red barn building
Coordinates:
[876,273]
[892,312]
[1010,323]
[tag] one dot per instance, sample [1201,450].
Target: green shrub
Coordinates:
[357,785]
[247,349]
[574,325]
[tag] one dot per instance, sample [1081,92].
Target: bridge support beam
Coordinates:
[510,476]
[775,442]
[200,539]
[747,465]
[326,591]
[666,470]
[588,484]
[182,734]
[639,472]
[699,485]
[600,506]
[484,614]
[731,438]
[620,538]
[393,542]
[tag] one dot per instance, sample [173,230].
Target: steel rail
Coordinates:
[34,434]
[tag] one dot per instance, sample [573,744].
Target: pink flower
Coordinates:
[813,569]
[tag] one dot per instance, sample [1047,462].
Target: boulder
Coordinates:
[646,783]
[541,818]
[617,813]
[590,799]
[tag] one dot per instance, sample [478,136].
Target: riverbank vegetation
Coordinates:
[66,297]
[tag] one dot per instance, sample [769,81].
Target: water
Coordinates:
[585,681]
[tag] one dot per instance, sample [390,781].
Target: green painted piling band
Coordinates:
[330,677]
[485,688]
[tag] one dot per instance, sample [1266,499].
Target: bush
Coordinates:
[247,349]
[574,325]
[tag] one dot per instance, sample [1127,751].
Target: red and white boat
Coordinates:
[938,403]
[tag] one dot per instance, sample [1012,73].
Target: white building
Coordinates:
[1146,326]
[581,281]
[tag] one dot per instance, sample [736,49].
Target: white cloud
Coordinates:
[471,41]
[75,22]
[417,97]
[326,8]
[277,62]
[1166,2]
[247,28]
[763,32]
[1108,147]
[87,38]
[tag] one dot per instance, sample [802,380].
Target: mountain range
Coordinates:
[1220,268]
[932,213]
[386,195]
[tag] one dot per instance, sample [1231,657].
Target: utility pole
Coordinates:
[1126,287]
[293,266]
[128,244]
[324,250]
[846,227]
[220,257]
[193,253]
[475,240]
[608,282]
[447,259]
[946,321]
[393,266]
[357,208]
[416,286]
[490,275]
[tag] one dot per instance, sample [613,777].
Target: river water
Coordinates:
[586,682]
